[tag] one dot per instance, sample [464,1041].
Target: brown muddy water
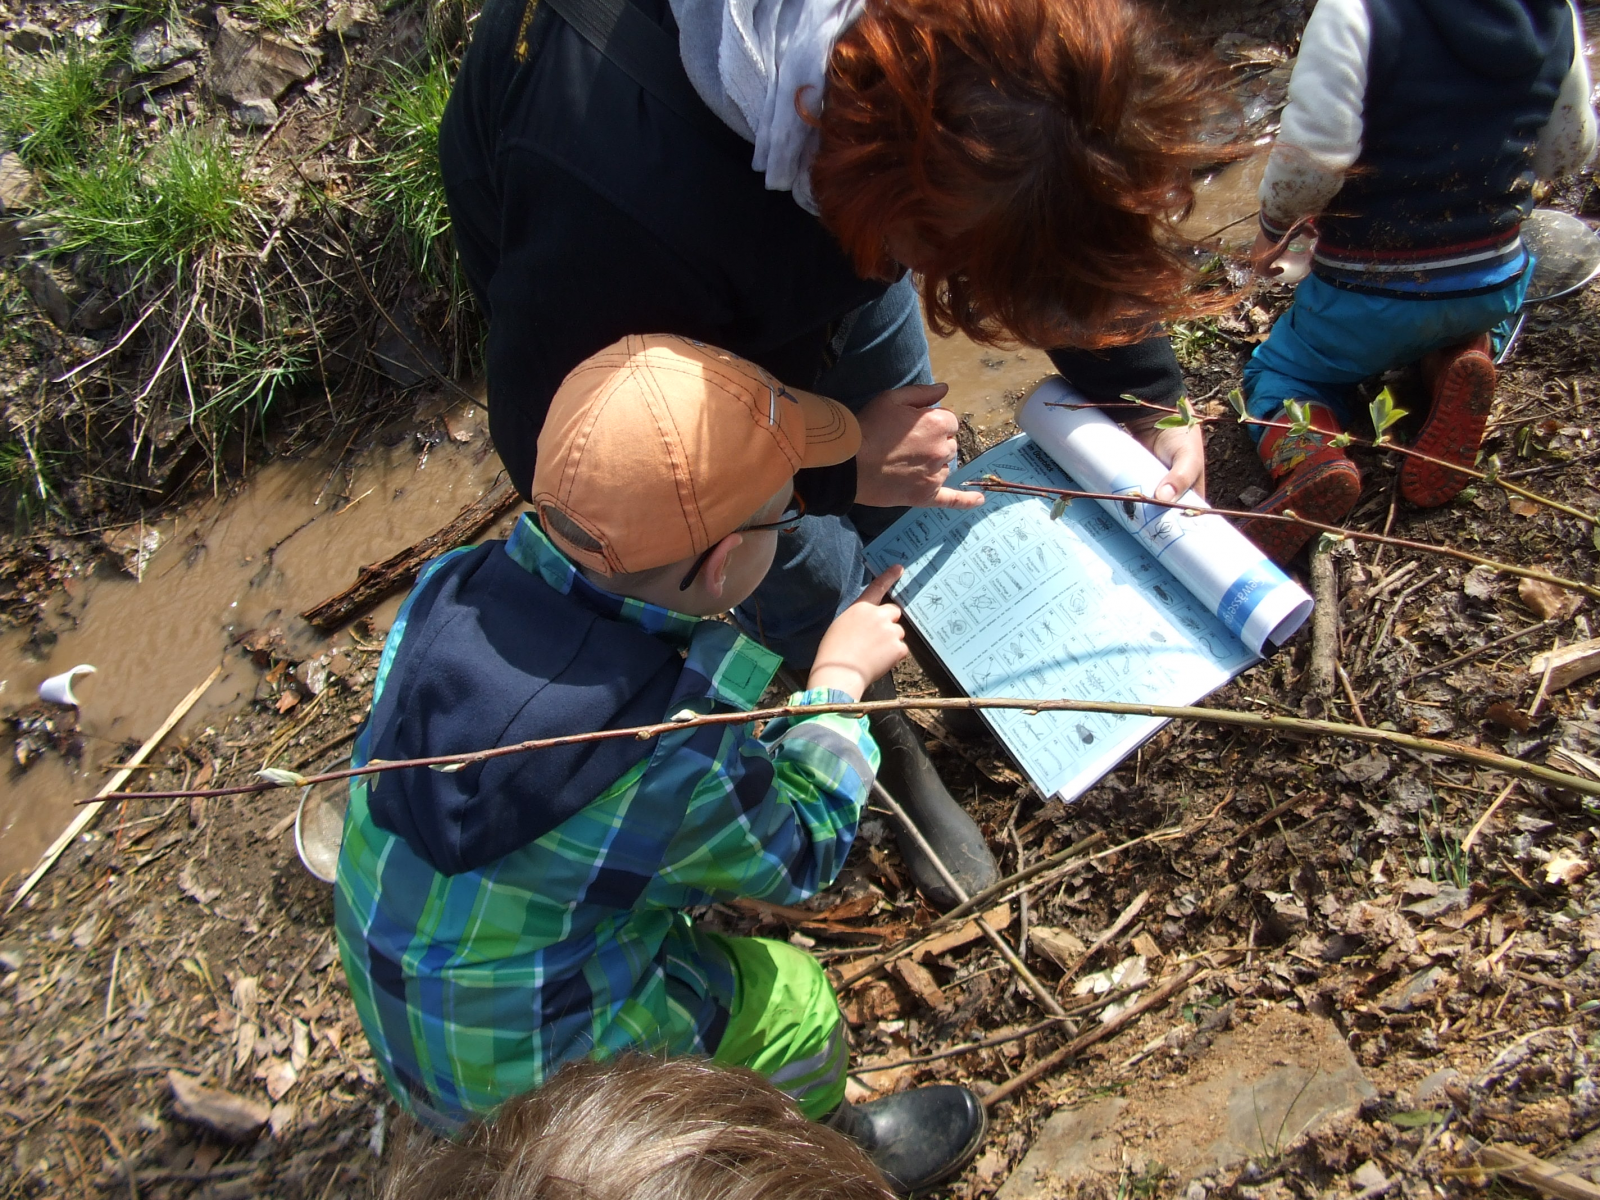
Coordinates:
[292,535]
[296,532]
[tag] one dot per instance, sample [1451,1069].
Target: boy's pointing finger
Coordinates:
[879,587]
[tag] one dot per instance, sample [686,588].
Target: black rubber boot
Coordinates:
[909,776]
[918,1138]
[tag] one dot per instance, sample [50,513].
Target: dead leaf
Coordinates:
[279,1077]
[245,1039]
[1523,507]
[1546,600]
[299,1043]
[193,888]
[1565,868]
[282,1118]
[1508,716]
[1146,945]
[288,700]
[921,981]
[234,1117]
[873,1001]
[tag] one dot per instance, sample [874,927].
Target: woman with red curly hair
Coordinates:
[771,177]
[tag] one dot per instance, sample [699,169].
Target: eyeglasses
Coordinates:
[787,523]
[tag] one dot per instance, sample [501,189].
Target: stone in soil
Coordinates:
[252,67]
[18,189]
[1254,1092]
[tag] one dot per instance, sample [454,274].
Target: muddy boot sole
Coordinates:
[1324,492]
[1463,394]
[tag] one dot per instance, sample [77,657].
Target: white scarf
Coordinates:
[749,59]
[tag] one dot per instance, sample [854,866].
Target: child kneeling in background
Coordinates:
[1413,134]
[531,909]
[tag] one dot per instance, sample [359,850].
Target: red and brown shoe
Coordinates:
[1461,380]
[1315,478]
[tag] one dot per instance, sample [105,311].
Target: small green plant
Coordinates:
[1141,1185]
[407,184]
[249,377]
[154,211]
[49,102]
[25,477]
[1447,862]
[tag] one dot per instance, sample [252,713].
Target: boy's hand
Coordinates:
[864,641]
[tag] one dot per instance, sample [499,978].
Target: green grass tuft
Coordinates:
[407,184]
[49,102]
[156,211]
[278,14]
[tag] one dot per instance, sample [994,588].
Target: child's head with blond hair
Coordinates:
[639,1128]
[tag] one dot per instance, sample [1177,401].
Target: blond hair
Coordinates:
[641,1128]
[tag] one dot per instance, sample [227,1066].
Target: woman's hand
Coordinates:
[907,446]
[864,641]
[1183,450]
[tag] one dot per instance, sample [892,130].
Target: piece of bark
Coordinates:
[921,981]
[1568,664]
[1535,1173]
[1060,946]
[1320,678]
[377,580]
[233,1117]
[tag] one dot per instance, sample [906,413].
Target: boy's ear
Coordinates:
[715,572]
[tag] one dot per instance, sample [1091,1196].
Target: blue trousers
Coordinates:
[1330,339]
[821,567]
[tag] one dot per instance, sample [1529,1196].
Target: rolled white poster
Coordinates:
[1223,569]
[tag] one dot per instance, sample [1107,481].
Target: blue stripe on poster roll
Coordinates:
[1240,601]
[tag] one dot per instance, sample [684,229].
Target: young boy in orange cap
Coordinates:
[527,910]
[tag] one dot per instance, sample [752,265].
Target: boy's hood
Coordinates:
[1499,39]
[491,655]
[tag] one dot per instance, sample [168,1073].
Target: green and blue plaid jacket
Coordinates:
[473,987]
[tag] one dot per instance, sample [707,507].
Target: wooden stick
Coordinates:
[990,897]
[377,580]
[1459,659]
[1477,828]
[1042,994]
[1079,1044]
[1545,1178]
[92,810]
[1264,722]
[1319,677]
[1105,939]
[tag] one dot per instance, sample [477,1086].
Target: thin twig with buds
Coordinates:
[993,483]
[1270,722]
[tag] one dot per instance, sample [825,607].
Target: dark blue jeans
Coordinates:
[820,568]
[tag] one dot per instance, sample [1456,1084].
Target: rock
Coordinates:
[1436,1083]
[347,22]
[161,46]
[47,293]
[1402,996]
[248,65]
[1252,496]
[397,357]
[162,79]
[1583,1157]
[31,39]
[1369,1175]
[256,114]
[19,190]
[233,1117]
[1257,1090]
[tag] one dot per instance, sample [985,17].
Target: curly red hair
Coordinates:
[1037,152]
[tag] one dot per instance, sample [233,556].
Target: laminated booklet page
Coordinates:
[1112,600]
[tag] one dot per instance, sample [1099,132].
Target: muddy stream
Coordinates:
[294,534]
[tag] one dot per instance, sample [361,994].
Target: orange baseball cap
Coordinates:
[658,447]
